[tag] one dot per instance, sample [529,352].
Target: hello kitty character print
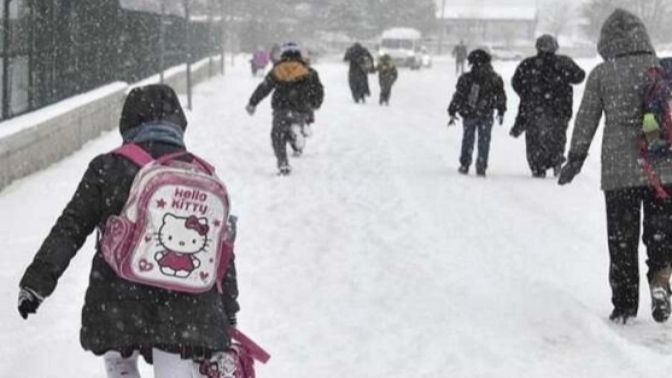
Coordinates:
[182,239]
[174,230]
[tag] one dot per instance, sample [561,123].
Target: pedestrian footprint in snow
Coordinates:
[479,93]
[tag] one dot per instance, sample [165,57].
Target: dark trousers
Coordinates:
[281,133]
[623,229]
[385,93]
[545,140]
[482,126]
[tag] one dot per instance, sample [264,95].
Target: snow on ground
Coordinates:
[375,258]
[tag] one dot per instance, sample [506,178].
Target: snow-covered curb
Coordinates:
[35,140]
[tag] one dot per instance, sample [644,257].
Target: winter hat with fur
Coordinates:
[150,104]
[547,44]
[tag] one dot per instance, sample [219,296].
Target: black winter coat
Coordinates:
[479,93]
[544,84]
[297,87]
[118,314]
[361,64]
[387,74]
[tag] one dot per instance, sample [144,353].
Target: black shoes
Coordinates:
[463,170]
[284,169]
[660,304]
[621,316]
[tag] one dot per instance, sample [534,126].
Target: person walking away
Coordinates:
[615,88]
[361,64]
[479,93]
[122,319]
[460,55]
[544,85]
[259,61]
[297,93]
[387,76]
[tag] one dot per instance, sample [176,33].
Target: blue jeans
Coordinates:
[484,128]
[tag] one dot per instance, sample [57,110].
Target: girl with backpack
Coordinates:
[479,93]
[121,319]
[616,88]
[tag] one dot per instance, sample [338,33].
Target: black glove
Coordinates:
[500,119]
[29,301]
[571,169]
[453,119]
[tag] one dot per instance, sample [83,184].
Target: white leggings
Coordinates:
[166,365]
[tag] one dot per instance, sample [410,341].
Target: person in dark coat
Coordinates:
[387,76]
[297,93]
[460,55]
[544,84]
[121,319]
[615,89]
[361,64]
[479,93]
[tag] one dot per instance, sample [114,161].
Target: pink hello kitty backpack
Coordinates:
[174,230]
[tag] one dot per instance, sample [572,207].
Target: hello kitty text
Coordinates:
[190,200]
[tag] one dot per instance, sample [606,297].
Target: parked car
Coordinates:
[503,53]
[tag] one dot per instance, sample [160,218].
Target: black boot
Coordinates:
[660,295]
[622,316]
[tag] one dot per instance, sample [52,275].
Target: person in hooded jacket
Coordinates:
[615,89]
[544,84]
[361,64]
[479,93]
[387,76]
[297,93]
[122,319]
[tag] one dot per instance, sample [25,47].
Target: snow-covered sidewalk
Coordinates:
[375,258]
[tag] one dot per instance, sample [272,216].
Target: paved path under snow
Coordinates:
[375,258]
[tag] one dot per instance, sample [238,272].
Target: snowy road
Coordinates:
[375,258]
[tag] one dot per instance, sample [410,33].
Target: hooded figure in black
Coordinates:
[297,93]
[120,318]
[479,93]
[361,64]
[544,84]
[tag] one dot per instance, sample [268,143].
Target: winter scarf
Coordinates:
[163,131]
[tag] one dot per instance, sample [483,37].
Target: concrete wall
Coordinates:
[34,141]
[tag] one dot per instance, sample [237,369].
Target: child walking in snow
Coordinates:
[479,93]
[297,93]
[122,320]
[387,76]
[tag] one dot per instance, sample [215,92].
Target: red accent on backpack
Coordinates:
[238,361]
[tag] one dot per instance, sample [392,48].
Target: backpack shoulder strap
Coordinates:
[253,348]
[134,153]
